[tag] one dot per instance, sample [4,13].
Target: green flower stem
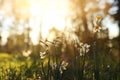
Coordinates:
[96,64]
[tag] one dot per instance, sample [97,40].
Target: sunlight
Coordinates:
[4,35]
[51,13]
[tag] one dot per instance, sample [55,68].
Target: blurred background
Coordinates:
[23,23]
[35,34]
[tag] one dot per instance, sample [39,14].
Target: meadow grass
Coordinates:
[76,62]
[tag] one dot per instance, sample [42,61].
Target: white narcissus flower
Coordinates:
[97,25]
[99,18]
[81,44]
[42,55]
[84,48]
[26,53]
[63,66]
[96,28]
[54,65]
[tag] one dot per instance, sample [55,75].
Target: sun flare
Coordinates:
[47,14]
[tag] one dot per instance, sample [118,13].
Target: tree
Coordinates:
[117,15]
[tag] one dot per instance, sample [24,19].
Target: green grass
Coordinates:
[13,67]
[5,56]
[8,59]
